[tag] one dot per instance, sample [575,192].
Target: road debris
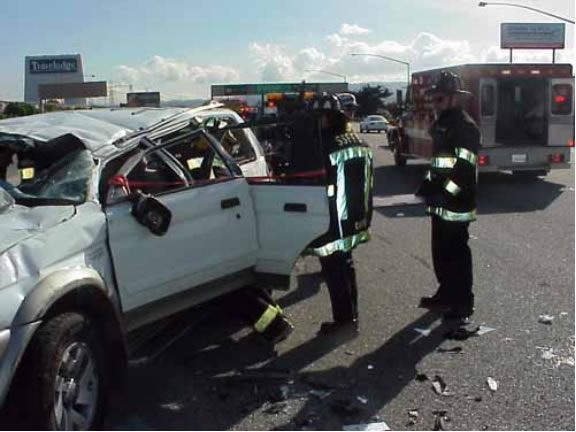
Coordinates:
[275,408]
[548,354]
[440,420]
[454,350]
[440,387]
[421,377]
[423,332]
[482,330]
[320,394]
[545,319]
[414,417]
[381,426]
[474,398]
[362,400]
[492,384]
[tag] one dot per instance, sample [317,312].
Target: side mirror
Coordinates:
[151,213]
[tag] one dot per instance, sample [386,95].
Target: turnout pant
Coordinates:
[257,308]
[340,276]
[452,260]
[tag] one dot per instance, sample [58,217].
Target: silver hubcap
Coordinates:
[76,388]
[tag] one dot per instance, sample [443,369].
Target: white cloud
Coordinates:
[353,29]
[160,70]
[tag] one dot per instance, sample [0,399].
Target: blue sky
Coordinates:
[180,47]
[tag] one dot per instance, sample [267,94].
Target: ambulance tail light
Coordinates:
[557,158]
[571,142]
[483,160]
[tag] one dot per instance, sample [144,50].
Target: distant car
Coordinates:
[374,123]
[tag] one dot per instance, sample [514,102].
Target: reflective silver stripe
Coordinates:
[266,318]
[428,175]
[466,155]
[451,216]
[342,245]
[452,187]
[331,189]
[349,153]
[341,204]
[443,162]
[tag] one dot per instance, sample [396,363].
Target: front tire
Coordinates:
[62,383]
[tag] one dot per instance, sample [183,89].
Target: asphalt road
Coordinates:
[218,376]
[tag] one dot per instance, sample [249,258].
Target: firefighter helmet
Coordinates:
[325,102]
[447,82]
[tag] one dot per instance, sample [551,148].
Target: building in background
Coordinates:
[49,70]
[143,99]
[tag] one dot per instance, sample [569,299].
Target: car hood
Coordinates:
[19,223]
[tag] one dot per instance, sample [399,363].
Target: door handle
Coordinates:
[295,207]
[229,203]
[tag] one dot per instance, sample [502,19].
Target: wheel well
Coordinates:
[92,302]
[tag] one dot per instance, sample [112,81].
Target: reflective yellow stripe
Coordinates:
[443,162]
[451,216]
[27,173]
[342,245]
[466,155]
[266,318]
[349,153]
[452,187]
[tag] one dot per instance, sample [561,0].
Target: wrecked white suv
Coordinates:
[113,219]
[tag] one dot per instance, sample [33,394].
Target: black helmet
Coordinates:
[447,82]
[324,102]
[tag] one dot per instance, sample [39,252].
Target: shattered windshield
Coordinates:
[44,174]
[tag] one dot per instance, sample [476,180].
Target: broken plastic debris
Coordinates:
[492,384]
[414,416]
[423,332]
[545,319]
[440,387]
[362,400]
[440,420]
[548,354]
[482,330]
[380,426]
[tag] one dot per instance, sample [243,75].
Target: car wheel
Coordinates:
[62,383]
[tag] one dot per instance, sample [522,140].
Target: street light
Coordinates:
[326,72]
[484,4]
[391,59]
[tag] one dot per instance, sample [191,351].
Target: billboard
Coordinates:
[262,89]
[143,99]
[532,36]
[57,65]
[72,90]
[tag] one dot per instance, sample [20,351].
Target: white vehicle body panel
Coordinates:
[204,242]
[284,234]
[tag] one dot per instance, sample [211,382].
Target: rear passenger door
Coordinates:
[213,228]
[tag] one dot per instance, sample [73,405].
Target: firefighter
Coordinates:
[449,190]
[349,172]
[259,310]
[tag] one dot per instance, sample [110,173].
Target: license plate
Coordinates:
[519,158]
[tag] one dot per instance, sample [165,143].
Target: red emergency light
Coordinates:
[571,142]
[559,99]
[557,158]
[483,160]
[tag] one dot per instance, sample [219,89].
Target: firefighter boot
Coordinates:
[278,330]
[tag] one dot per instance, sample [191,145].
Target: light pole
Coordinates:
[327,72]
[484,4]
[391,59]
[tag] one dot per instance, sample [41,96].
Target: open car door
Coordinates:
[291,204]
